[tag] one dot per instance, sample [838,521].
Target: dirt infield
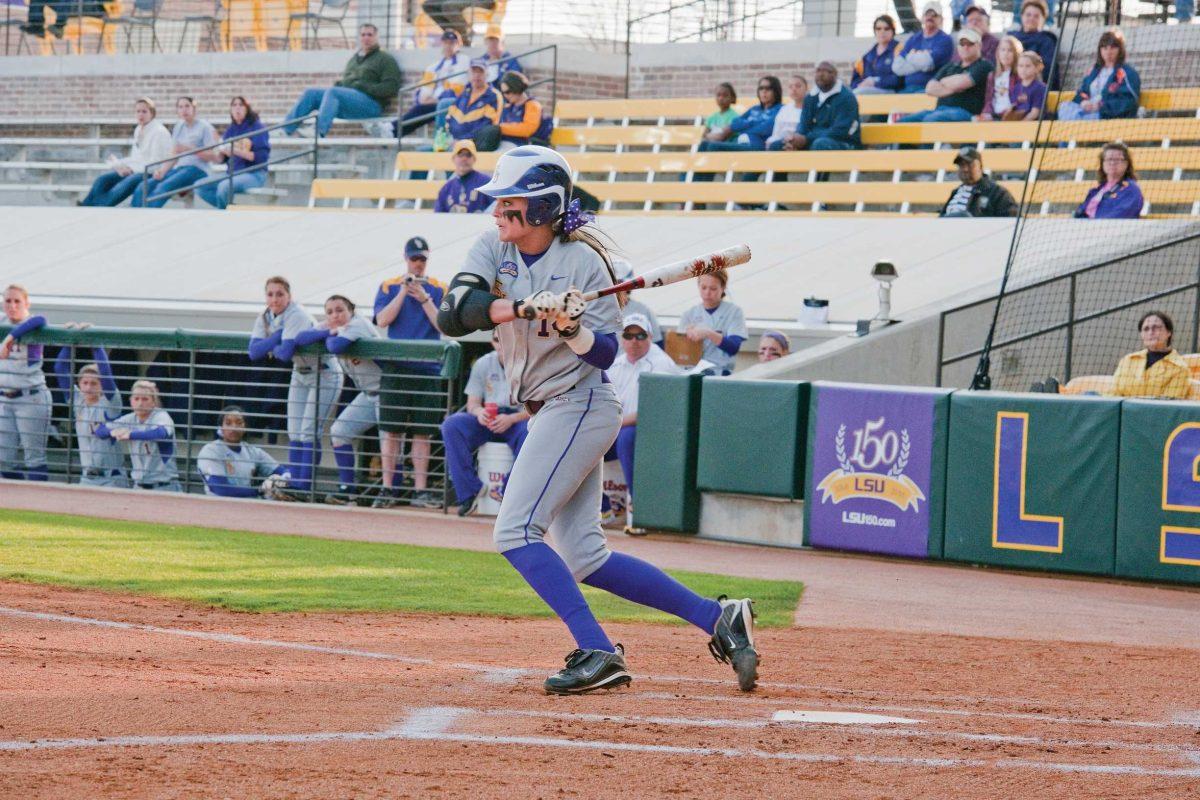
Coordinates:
[110,696]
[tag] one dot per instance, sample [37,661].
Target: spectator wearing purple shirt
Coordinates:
[247,158]
[1027,93]
[1117,196]
[461,194]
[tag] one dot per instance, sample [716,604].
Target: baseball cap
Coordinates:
[638,320]
[932,5]
[515,82]
[970,34]
[464,144]
[479,63]
[493,32]
[980,7]
[416,246]
[967,153]
[451,36]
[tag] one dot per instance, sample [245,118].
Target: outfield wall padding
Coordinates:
[1158,497]
[877,468]
[753,439]
[664,461]
[1032,481]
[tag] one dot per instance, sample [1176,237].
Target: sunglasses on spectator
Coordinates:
[765,86]
[629,337]
[418,258]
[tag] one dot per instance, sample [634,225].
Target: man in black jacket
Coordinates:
[979,195]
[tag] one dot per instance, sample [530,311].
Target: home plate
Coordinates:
[840,718]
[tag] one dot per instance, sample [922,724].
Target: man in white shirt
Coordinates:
[787,121]
[638,356]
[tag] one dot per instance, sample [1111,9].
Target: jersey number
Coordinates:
[544,330]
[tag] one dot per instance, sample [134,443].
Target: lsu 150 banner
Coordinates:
[873,452]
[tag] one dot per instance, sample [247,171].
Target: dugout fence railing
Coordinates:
[199,373]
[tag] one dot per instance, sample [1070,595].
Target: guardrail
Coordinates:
[198,373]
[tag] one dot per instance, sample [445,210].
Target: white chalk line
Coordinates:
[508,674]
[421,726]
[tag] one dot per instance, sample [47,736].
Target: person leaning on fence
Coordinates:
[873,72]
[978,195]
[369,82]
[95,400]
[441,83]
[1111,90]
[315,384]
[751,129]
[151,142]
[1117,195]
[500,61]
[230,465]
[523,120]
[189,133]
[150,434]
[773,345]
[978,19]
[959,88]
[717,125]
[246,159]
[339,331]
[461,194]
[719,325]
[475,114]
[925,52]
[1033,36]
[411,397]
[787,121]
[1158,370]
[490,416]
[25,402]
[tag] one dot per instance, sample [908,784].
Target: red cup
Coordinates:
[492,410]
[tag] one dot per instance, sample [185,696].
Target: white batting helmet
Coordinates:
[535,172]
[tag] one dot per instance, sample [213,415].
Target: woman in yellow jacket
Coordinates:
[1157,371]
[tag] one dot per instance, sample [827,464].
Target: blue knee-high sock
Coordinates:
[343,454]
[644,583]
[12,476]
[301,471]
[545,571]
[294,459]
[41,473]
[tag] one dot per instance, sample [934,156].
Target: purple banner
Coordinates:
[871,462]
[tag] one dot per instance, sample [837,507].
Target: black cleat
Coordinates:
[425,499]
[387,498]
[344,496]
[589,670]
[733,640]
[468,508]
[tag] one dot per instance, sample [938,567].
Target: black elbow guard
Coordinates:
[466,306]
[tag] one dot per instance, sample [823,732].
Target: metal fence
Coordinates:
[197,374]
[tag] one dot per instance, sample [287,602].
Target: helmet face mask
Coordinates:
[539,174]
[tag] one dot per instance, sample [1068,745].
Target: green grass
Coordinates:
[259,572]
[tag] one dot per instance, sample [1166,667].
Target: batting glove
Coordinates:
[539,305]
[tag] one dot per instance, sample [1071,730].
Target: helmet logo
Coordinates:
[537,185]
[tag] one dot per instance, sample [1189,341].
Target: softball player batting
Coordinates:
[274,334]
[556,348]
[24,399]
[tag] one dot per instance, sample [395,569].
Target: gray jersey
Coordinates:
[538,365]
[96,453]
[726,319]
[293,320]
[634,307]
[240,467]
[153,460]
[365,372]
[488,381]
[23,367]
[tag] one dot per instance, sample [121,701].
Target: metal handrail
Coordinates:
[230,174]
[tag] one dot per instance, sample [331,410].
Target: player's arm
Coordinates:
[470,306]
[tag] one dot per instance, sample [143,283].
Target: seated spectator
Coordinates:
[873,72]
[631,305]
[925,52]
[717,323]
[151,142]
[1184,10]
[787,121]
[1117,196]
[246,159]
[35,24]
[500,61]
[978,19]
[476,111]
[829,120]
[960,87]
[523,120]
[442,82]
[230,466]
[461,193]
[1033,36]
[638,356]
[751,129]
[189,134]
[1156,371]
[1028,93]
[773,345]
[717,126]
[1111,90]
[150,432]
[1001,80]
[491,416]
[96,401]
[978,195]
[369,82]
